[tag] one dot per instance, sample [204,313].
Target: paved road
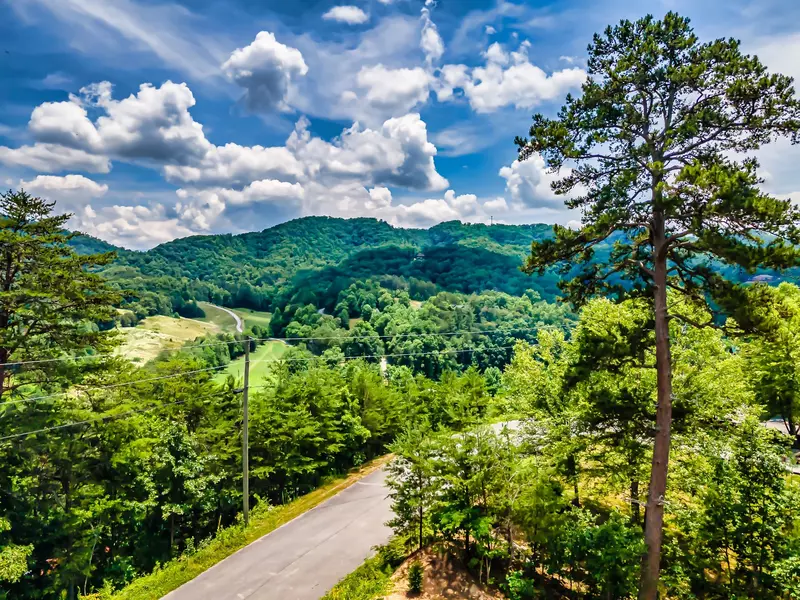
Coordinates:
[306,557]
[239,324]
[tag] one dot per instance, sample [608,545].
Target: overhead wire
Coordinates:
[137,411]
[278,339]
[112,386]
[112,417]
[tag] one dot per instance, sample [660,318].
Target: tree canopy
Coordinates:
[655,154]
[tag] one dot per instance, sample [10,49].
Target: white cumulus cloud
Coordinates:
[395,90]
[352,15]
[53,158]
[430,42]
[507,79]
[265,69]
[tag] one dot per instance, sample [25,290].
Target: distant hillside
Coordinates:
[310,260]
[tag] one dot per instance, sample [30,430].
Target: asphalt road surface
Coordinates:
[306,557]
[239,323]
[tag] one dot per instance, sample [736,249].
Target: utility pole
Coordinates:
[245,436]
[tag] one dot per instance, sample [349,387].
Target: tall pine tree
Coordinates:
[654,154]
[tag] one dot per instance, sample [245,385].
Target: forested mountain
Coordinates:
[310,260]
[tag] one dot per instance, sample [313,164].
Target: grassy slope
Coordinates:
[179,571]
[260,363]
[253,317]
[217,317]
[369,581]
[154,334]
[227,323]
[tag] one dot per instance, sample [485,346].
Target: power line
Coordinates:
[397,335]
[114,417]
[105,355]
[132,412]
[281,339]
[113,385]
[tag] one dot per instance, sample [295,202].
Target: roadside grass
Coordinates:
[261,361]
[149,338]
[218,317]
[253,317]
[369,581]
[185,568]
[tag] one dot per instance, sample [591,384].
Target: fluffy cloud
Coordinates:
[352,15]
[430,41]
[394,90]
[72,193]
[428,212]
[52,158]
[528,183]
[332,91]
[233,165]
[200,210]
[46,185]
[152,126]
[265,69]
[139,226]
[507,79]
[399,153]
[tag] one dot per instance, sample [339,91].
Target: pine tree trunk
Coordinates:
[635,508]
[654,515]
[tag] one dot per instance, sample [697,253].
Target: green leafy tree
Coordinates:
[50,296]
[13,558]
[412,483]
[774,357]
[647,152]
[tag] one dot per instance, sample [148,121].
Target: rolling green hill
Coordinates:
[311,260]
[316,257]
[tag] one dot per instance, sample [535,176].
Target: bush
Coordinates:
[518,587]
[415,572]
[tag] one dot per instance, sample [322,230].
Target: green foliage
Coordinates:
[415,577]
[743,530]
[13,558]
[775,357]
[650,147]
[518,587]
[368,582]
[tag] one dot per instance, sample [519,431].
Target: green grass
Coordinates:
[218,317]
[177,572]
[253,317]
[155,334]
[261,362]
[369,581]
[228,323]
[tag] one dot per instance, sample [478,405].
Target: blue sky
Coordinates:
[152,120]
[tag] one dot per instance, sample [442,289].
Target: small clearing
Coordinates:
[216,316]
[261,361]
[155,334]
[416,304]
[222,317]
[254,317]
[445,578]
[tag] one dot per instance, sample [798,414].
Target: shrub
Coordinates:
[415,578]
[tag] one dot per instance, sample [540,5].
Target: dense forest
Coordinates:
[311,260]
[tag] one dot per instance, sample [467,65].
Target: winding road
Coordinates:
[306,557]
[237,318]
